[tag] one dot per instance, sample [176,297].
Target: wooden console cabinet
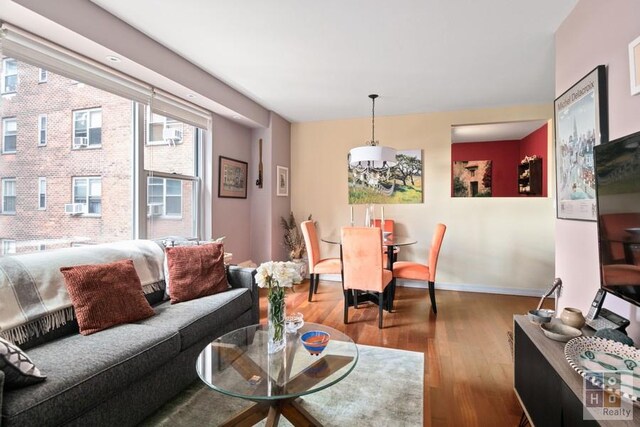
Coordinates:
[549,389]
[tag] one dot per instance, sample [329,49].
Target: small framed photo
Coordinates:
[282,174]
[232,178]
[634,66]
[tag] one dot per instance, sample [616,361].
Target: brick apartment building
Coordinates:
[66,164]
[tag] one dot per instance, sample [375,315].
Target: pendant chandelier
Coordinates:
[372,162]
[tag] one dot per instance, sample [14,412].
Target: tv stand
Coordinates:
[548,388]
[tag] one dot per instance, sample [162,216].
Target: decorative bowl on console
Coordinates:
[607,364]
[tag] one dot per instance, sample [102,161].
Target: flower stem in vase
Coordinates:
[275,318]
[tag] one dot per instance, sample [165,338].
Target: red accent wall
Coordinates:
[536,143]
[505,156]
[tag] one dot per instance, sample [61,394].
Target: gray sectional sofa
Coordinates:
[119,376]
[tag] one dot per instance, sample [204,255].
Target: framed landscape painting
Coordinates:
[581,124]
[401,183]
[232,178]
[471,178]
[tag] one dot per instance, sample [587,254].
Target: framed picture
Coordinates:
[634,66]
[581,123]
[232,178]
[282,174]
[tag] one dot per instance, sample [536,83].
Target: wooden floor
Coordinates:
[468,379]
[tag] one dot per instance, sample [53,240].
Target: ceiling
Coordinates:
[507,131]
[310,61]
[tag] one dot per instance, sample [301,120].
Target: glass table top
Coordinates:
[391,240]
[237,364]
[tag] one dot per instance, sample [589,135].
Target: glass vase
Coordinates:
[275,319]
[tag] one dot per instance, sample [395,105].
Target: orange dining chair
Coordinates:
[389,227]
[416,271]
[362,268]
[317,265]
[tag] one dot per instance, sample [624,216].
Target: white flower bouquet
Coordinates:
[277,274]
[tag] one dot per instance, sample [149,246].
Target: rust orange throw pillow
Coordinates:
[196,271]
[105,295]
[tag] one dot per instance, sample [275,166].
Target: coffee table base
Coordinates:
[289,408]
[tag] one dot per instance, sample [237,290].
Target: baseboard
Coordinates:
[457,287]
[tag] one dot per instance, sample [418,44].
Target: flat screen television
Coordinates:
[617,170]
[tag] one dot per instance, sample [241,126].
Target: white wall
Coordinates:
[492,244]
[596,32]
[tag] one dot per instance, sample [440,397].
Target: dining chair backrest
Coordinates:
[311,242]
[389,224]
[436,244]
[362,258]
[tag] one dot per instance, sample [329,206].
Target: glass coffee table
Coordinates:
[237,364]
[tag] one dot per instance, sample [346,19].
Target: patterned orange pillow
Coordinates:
[196,271]
[105,295]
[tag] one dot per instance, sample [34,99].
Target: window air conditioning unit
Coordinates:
[75,208]
[154,210]
[80,141]
[172,134]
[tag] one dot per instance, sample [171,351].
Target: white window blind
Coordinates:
[22,45]
[27,47]
[171,106]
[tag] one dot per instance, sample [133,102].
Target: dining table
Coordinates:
[390,242]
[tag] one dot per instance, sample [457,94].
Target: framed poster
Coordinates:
[581,123]
[282,174]
[634,66]
[232,178]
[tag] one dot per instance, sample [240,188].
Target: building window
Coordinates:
[87,128]
[42,75]
[9,135]
[8,247]
[9,195]
[9,75]
[164,197]
[88,191]
[42,129]
[164,130]
[42,193]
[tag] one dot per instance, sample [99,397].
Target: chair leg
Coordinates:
[432,295]
[346,306]
[311,280]
[355,299]
[315,285]
[380,308]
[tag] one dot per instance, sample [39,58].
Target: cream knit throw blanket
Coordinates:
[33,296]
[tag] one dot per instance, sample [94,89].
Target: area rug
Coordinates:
[384,389]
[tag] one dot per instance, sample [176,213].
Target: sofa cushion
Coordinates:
[201,317]
[104,295]
[17,367]
[84,371]
[195,271]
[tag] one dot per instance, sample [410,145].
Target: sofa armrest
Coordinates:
[239,277]
[1,390]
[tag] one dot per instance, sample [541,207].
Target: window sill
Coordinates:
[86,148]
[89,216]
[8,213]
[9,152]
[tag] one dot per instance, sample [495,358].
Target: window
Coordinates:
[87,128]
[164,130]
[42,193]
[9,75]
[164,197]
[88,191]
[8,247]
[9,195]
[42,129]
[42,75]
[9,135]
